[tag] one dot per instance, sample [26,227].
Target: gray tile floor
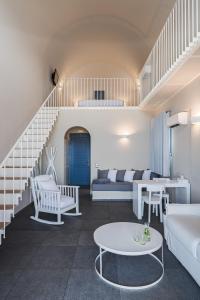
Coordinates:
[43,262]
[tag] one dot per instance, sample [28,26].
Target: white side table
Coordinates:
[118,238]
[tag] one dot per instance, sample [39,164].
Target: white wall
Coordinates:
[108,148]
[24,76]
[186,139]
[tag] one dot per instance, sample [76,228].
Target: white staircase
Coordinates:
[18,165]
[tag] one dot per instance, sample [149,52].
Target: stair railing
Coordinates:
[22,153]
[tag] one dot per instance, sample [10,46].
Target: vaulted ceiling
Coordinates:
[91,34]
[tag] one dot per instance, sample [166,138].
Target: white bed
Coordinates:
[101,103]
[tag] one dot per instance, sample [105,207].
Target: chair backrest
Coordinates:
[155,188]
[40,179]
[45,192]
[161,179]
[46,183]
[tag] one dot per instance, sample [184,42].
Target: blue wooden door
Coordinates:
[79,159]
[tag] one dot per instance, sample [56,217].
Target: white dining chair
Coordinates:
[165,194]
[153,198]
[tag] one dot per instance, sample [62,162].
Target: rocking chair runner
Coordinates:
[53,199]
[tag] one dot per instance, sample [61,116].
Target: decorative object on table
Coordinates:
[51,155]
[143,237]
[182,179]
[140,239]
[147,233]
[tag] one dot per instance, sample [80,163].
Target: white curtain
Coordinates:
[160,145]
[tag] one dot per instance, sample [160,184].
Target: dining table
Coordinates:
[140,185]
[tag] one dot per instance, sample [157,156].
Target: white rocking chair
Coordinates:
[53,199]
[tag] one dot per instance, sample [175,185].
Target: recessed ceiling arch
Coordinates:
[98,40]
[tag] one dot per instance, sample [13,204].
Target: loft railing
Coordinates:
[178,37]
[76,89]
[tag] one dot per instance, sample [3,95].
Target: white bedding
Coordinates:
[101,103]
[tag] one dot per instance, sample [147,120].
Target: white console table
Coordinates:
[138,185]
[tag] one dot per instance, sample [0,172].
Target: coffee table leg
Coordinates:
[100,256]
[162,256]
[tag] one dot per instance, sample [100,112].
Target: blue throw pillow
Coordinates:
[154,175]
[102,174]
[138,174]
[120,175]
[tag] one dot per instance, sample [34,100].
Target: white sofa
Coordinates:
[182,233]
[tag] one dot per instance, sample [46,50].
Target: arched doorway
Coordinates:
[77,153]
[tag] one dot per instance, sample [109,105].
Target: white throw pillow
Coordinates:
[41,178]
[49,185]
[112,175]
[128,176]
[146,175]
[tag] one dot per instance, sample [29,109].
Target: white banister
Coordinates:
[83,88]
[179,36]
[16,168]
[45,104]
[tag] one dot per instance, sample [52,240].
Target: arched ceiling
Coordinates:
[91,34]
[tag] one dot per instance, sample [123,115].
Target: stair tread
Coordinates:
[17,167]
[10,191]
[7,206]
[18,148]
[11,178]
[2,225]
[26,157]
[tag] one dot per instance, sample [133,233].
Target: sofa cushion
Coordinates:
[186,228]
[113,186]
[101,181]
[120,175]
[102,174]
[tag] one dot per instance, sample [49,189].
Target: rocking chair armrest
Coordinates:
[47,198]
[69,190]
[68,186]
[47,191]
[50,193]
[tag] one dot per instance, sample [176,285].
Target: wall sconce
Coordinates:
[124,136]
[195,120]
[60,85]
[124,139]
[138,83]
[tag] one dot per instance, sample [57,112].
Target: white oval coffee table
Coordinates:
[118,238]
